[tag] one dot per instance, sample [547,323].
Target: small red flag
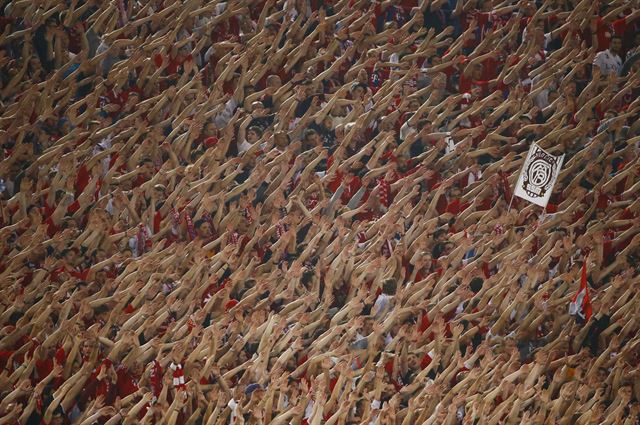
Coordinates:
[581,303]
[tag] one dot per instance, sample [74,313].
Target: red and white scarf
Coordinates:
[233,238]
[178,375]
[208,219]
[385,190]
[312,201]
[190,229]
[247,215]
[387,248]
[143,241]
[281,228]
[175,217]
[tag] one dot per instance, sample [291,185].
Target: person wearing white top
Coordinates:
[609,61]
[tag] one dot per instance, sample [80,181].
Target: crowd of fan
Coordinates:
[297,212]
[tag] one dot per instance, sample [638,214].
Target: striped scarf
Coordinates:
[190,229]
[233,238]
[247,215]
[208,219]
[312,201]
[175,217]
[387,249]
[143,241]
[178,376]
[281,229]
[385,190]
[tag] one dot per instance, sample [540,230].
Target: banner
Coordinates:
[538,176]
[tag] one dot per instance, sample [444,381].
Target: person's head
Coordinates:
[616,45]
[146,166]
[312,138]
[274,81]
[281,139]
[439,81]
[254,390]
[358,91]
[439,235]
[569,90]
[34,214]
[414,361]
[476,71]
[424,127]
[70,256]
[389,286]
[363,77]
[408,88]
[258,109]
[203,228]
[254,134]
[88,346]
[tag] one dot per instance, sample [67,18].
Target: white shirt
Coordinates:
[405,130]
[244,146]
[609,63]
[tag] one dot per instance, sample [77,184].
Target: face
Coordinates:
[477,72]
[70,257]
[252,136]
[439,82]
[204,229]
[314,139]
[358,93]
[275,82]
[616,45]
[414,362]
[87,348]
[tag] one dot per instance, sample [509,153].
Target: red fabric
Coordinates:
[126,383]
[585,305]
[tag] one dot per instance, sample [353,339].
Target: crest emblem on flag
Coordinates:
[538,176]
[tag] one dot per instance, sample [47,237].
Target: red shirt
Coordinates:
[126,383]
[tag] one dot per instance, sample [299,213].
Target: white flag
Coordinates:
[538,176]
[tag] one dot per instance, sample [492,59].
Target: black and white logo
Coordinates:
[538,173]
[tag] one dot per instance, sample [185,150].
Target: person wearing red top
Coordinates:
[128,378]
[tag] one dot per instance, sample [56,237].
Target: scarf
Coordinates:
[178,375]
[385,190]
[143,241]
[312,201]
[233,238]
[208,219]
[190,229]
[175,217]
[281,229]
[247,215]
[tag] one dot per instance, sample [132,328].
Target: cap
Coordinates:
[251,388]
[210,141]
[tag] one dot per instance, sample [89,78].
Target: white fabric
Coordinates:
[608,62]
[244,146]
[538,176]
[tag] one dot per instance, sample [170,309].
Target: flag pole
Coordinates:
[510,202]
